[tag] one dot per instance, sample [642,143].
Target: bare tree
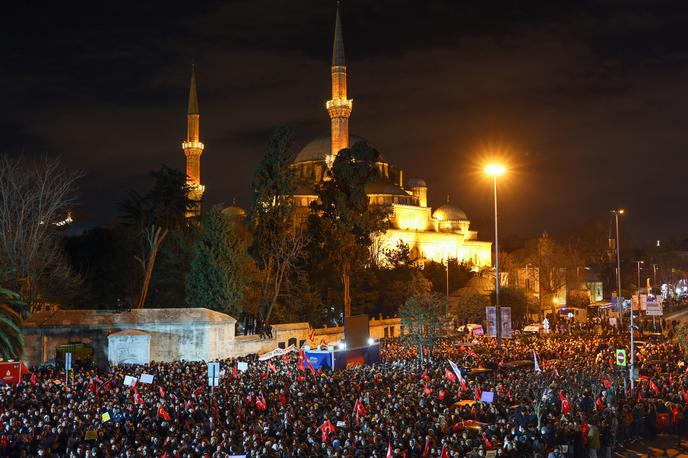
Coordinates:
[541,394]
[35,195]
[154,236]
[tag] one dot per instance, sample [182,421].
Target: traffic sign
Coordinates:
[620,357]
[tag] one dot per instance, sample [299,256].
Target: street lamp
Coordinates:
[495,170]
[619,305]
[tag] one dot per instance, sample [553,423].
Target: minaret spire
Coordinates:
[193,148]
[339,107]
[193,93]
[338,45]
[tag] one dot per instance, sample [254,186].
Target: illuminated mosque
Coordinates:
[431,235]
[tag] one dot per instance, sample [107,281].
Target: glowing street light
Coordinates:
[495,170]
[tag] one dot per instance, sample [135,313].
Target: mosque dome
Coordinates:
[416,183]
[449,212]
[234,211]
[319,149]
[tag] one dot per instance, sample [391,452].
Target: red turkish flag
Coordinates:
[272,366]
[488,444]
[426,451]
[441,395]
[445,453]
[162,413]
[451,376]
[390,453]
[33,379]
[358,408]
[600,405]
[565,406]
[161,391]
[138,400]
[326,428]
[654,387]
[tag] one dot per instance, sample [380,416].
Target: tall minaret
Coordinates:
[193,148]
[339,107]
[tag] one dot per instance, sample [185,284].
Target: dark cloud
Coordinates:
[588,97]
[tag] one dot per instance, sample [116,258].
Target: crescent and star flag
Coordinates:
[359,409]
[162,413]
[390,453]
[654,387]
[326,428]
[161,391]
[537,366]
[449,375]
[138,400]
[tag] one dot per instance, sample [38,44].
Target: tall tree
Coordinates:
[12,311]
[342,225]
[420,316]
[278,240]
[220,268]
[153,215]
[34,196]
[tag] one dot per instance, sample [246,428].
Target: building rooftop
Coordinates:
[111,318]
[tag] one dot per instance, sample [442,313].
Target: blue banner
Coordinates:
[320,359]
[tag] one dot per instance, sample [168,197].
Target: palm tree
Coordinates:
[12,311]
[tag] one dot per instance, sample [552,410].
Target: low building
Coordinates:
[135,336]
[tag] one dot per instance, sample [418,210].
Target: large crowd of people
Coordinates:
[496,402]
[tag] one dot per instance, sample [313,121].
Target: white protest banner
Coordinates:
[146,378]
[487,396]
[129,380]
[242,366]
[277,352]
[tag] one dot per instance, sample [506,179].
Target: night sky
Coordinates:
[588,100]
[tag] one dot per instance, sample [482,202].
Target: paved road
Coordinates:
[664,445]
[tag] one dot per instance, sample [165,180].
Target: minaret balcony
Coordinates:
[192,145]
[339,103]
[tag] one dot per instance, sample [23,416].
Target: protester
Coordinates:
[578,404]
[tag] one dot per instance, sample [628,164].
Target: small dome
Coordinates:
[234,211]
[416,183]
[384,186]
[319,149]
[449,212]
[482,285]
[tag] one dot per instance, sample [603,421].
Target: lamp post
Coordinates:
[632,329]
[495,170]
[619,305]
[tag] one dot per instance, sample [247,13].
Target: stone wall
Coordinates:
[194,336]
